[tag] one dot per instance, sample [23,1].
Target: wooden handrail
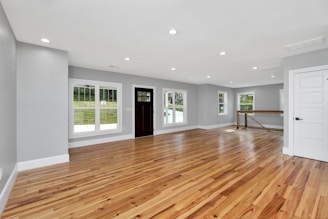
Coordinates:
[256,111]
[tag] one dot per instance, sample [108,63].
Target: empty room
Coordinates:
[163,109]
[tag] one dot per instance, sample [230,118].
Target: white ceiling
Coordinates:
[99,34]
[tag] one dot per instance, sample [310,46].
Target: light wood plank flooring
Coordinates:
[218,173]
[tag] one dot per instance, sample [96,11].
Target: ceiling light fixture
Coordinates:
[45,40]
[173,69]
[223,53]
[272,75]
[208,76]
[255,68]
[173,31]
[127,59]
[230,82]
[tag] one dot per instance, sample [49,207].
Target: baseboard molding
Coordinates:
[4,195]
[83,143]
[287,151]
[31,164]
[171,130]
[216,126]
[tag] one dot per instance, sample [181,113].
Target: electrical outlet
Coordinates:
[0,174]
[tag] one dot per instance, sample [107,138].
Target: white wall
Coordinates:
[42,102]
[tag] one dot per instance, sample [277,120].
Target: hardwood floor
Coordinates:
[218,173]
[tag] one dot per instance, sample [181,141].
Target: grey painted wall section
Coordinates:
[8,158]
[306,60]
[267,97]
[202,100]
[208,105]
[127,82]
[42,102]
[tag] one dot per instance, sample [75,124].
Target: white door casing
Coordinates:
[310,114]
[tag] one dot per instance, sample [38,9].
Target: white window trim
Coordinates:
[184,107]
[244,93]
[97,84]
[225,103]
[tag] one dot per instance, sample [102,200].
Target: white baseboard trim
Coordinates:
[31,164]
[179,129]
[287,151]
[216,126]
[4,195]
[83,143]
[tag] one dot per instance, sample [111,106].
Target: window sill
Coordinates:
[175,124]
[94,133]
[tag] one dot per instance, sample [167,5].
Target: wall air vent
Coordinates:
[307,43]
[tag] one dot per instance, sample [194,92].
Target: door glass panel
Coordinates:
[144,96]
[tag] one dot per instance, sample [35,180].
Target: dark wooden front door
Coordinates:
[143,112]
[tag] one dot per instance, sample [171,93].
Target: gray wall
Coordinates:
[42,102]
[208,105]
[8,158]
[202,100]
[127,84]
[267,97]
[306,60]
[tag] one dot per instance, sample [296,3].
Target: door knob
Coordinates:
[298,118]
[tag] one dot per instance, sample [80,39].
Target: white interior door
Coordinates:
[311,115]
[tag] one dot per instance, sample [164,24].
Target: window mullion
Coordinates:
[97,107]
[174,107]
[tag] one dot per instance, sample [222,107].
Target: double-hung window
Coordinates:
[95,107]
[246,101]
[222,103]
[175,107]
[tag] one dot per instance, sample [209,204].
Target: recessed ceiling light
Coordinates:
[173,69]
[273,76]
[223,53]
[230,82]
[255,68]
[127,59]
[208,76]
[45,40]
[173,31]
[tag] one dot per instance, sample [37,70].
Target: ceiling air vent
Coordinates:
[307,43]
